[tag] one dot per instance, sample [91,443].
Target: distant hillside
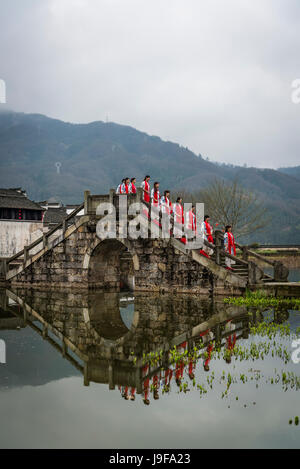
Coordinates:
[98,155]
[292,171]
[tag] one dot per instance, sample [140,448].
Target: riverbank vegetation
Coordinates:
[261,299]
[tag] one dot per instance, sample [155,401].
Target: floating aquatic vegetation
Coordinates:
[260,299]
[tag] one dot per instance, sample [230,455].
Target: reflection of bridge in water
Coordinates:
[106,336]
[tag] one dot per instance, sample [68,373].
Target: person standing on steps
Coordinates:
[119,188]
[190,225]
[166,211]
[132,187]
[206,232]
[156,204]
[178,218]
[166,204]
[125,186]
[229,244]
[146,189]
[155,195]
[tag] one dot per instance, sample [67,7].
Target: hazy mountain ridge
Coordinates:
[98,155]
[291,171]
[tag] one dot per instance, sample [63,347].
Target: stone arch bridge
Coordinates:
[72,255]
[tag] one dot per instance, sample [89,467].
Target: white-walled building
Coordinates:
[21,221]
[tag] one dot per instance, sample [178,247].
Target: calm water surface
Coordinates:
[71,358]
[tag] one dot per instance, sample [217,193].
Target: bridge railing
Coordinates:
[280,271]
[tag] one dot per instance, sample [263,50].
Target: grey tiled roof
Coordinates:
[11,198]
[54,215]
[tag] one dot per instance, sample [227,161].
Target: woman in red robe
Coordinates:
[146,188]
[229,244]
[133,186]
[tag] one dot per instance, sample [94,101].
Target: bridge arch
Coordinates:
[111,264]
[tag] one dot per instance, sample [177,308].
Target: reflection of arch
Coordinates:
[104,317]
[111,262]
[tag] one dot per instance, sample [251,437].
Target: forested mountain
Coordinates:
[51,158]
[292,171]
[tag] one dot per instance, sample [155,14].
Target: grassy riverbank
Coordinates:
[260,299]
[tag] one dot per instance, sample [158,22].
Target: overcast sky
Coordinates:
[215,75]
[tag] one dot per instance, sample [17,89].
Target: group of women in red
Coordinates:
[181,226]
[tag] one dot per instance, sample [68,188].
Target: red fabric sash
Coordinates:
[126,188]
[133,188]
[179,218]
[231,344]
[231,244]
[179,370]
[192,221]
[168,206]
[146,194]
[209,234]
[156,198]
[155,382]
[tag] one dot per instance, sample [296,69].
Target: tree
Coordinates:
[228,203]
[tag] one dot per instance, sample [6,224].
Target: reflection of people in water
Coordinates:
[132,394]
[206,362]
[145,370]
[124,392]
[192,365]
[168,378]
[182,347]
[180,364]
[230,341]
[125,395]
[179,372]
[207,338]
[146,391]
[155,384]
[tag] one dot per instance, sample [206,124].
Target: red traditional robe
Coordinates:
[209,233]
[146,187]
[133,189]
[155,198]
[166,205]
[191,223]
[178,214]
[230,243]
